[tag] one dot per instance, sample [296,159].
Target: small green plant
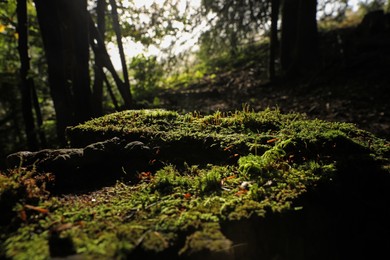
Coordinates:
[211,181]
[166,179]
[265,164]
[257,192]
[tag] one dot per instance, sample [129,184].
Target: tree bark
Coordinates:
[79,34]
[101,55]
[289,32]
[116,26]
[25,87]
[275,5]
[111,93]
[299,47]
[48,14]
[306,55]
[65,34]
[38,113]
[97,94]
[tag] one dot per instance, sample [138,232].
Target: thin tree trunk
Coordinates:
[274,37]
[116,26]
[25,87]
[109,89]
[38,113]
[233,43]
[101,53]
[97,94]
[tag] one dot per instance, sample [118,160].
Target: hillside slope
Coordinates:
[353,84]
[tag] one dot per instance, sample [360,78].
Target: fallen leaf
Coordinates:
[40,210]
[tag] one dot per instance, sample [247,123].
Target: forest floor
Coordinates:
[357,94]
[347,98]
[242,185]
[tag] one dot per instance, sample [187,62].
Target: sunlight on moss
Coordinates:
[253,164]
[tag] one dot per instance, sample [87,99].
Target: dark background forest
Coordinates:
[329,59]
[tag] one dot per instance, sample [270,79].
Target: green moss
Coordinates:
[211,180]
[209,239]
[27,243]
[218,168]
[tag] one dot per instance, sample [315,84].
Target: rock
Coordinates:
[137,149]
[47,159]
[18,159]
[68,158]
[97,157]
[103,151]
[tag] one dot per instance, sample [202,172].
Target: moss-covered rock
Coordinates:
[240,185]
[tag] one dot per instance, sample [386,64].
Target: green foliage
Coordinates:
[374,5]
[11,123]
[10,117]
[12,136]
[151,22]
[246,55]
[184,79]
[235,23]
[147,74]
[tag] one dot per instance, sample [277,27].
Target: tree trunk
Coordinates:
[38,113]
[111,93]
[116,26]
[299,47]
[79,34]
[102,57]
[65,34]
[97,94]
[51,30]
[25,87]
[274,37]
[307,56]
[289,32]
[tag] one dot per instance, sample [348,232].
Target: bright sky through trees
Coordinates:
[187,40]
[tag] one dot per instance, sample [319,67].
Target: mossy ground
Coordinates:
[218,177]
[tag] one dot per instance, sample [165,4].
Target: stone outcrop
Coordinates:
[47,159]
[106,160]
